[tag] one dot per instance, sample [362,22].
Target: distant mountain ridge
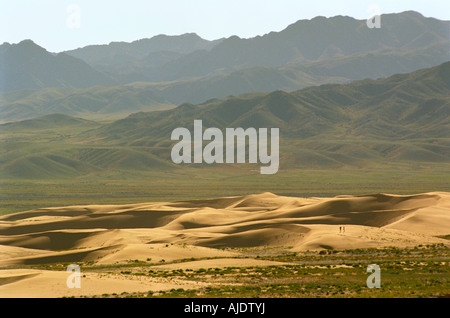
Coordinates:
[121,78]
[28,66]
[306,41]
[118,52]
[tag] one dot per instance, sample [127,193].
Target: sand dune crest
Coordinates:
[113,233]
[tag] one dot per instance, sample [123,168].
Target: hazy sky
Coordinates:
[61,25]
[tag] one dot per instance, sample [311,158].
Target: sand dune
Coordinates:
[111,234]
[167,231]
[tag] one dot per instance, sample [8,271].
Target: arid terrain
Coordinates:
[134,163]
[149,247]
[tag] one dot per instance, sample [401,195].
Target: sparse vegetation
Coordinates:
[409,272]
[423,274]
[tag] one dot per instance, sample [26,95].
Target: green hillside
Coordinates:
[404,106]
[51,121]
[97,103]
[388,135]
[401,119]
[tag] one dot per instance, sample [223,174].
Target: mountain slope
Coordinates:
[26,65]
[403,118]
[403,106]
[92,103]
[373,65]
[46,122]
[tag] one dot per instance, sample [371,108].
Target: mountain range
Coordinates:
[305,41]
[26,65]
[343,95]
[111,81]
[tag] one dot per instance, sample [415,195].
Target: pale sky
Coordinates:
[60,25]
